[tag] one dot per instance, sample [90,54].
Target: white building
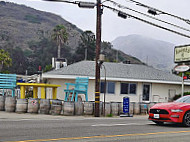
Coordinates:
[139,82]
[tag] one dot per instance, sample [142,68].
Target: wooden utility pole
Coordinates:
[98,47]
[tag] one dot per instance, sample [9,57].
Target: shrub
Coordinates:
[110,115]
[179,95]
[32,19]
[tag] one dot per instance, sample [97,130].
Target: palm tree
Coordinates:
[60,36]
[4,59]
[87,45]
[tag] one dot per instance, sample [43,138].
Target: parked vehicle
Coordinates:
[177,111]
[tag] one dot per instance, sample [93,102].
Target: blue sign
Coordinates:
[126,104]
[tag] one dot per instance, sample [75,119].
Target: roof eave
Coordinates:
[52,76]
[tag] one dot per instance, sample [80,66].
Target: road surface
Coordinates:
[36,128]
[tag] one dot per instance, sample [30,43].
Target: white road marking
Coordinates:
[15,120]
[124,124]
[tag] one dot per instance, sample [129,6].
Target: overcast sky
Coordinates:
[114,26]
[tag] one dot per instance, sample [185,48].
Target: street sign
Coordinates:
[126,104]
[182,53]
[181,68]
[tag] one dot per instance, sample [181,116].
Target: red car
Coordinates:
[178,112]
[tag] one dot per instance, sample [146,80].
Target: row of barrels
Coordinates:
[43,106]
[57,107]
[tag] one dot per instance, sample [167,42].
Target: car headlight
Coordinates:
[176,110]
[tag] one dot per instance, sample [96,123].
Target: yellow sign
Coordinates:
[182,53]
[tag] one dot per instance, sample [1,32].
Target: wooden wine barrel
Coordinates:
[33,105]
[69,108]
[2,103]
[21,105]
[10,104]
[44,106]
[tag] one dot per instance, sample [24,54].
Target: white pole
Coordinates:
[85,58]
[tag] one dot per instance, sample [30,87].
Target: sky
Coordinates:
[114,26]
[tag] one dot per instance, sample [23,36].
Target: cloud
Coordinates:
[112,25]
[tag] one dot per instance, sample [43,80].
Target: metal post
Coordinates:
[105,83]
[85,58]
[35,92]
[117,57]
[98,44]
[182,86]
[43,93]
[22,92]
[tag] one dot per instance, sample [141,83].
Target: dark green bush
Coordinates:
[179,95]
[32,19]
[110,115]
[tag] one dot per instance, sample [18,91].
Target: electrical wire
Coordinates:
[148,22]
[162,12]
[129,15]
[124,7]
[66,1]
[105,1]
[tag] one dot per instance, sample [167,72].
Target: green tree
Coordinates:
[110,54]
[48,68]
[5,59]
[20,61]
[43,51]
[87,46]
[60,36]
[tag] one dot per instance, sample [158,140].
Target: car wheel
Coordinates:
[186,119]
[158,122]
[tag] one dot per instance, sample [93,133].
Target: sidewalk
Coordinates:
[13,115]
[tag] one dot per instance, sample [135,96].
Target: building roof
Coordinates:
[115,71]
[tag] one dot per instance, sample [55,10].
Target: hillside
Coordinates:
[26,34]
[20,24]
[156,53]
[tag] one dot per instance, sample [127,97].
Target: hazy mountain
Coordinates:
[156,53]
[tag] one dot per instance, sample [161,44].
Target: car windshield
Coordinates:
[185,99]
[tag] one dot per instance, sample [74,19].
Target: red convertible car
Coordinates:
[178,112]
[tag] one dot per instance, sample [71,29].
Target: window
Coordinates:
[128,88]
[124,88]
[110,87]
[132,88]
[102,87]
[146,92]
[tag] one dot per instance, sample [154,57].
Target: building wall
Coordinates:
[60,90]
[117,97]
[163,92]
[158,93]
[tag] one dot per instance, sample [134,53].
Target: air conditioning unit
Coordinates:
[58,63]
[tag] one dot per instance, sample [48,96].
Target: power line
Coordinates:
[161,12]
[124,7]
[124,15]
[81,4]
[65,1]
[145,21]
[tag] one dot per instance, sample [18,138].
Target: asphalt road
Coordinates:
[35,128]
